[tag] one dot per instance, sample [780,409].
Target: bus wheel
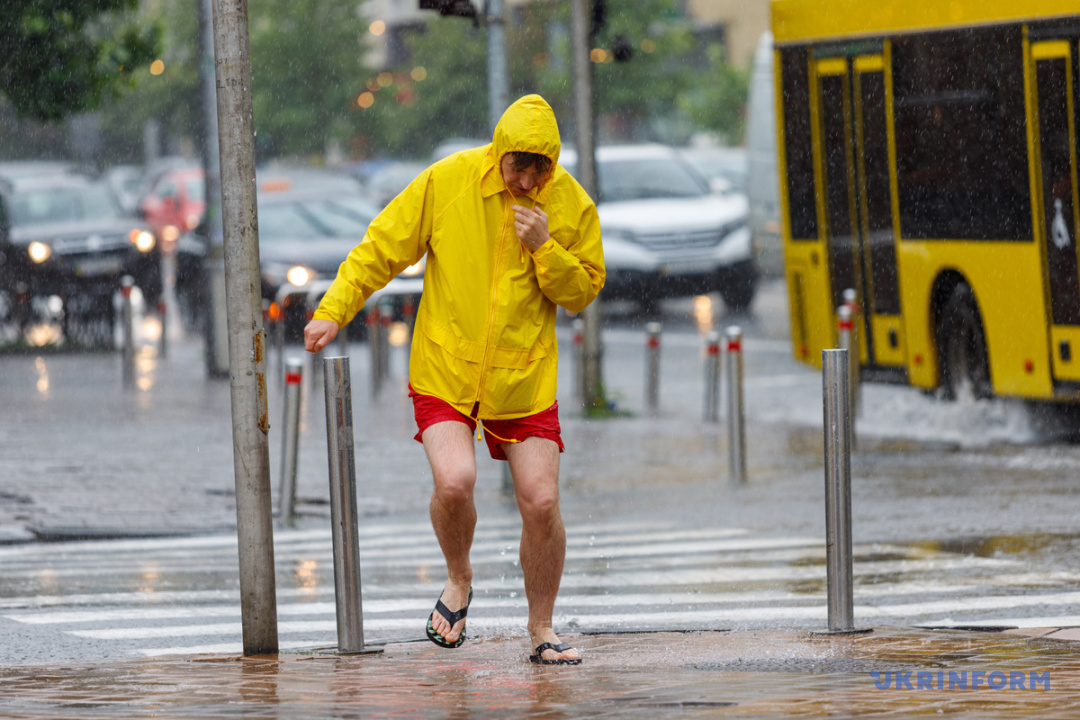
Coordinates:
[962,359]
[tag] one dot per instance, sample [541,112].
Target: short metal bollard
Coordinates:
[577,342]
[408,309]
[386,319]
[838,563]
[375,345]
[343,340]
[290,444]
[851,299]
[128,349]
[712,377]
[733,365]
[343,516]
[275,317]
[652,366]
[163,341]
[845,326]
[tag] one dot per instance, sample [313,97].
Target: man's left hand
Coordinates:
[531,226]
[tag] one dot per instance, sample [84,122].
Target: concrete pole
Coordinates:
[247,340]
[592,345]
[216,326]
[498,80]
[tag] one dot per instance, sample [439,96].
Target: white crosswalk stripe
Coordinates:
[180,595]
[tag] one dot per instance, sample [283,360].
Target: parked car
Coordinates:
[389,180]
[65,236]
[175,204]
[725,168]
[665,233]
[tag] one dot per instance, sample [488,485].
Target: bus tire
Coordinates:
[962,358]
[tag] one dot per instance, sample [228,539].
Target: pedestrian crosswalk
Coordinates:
[172,596]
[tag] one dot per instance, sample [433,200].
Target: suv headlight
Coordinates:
[142,239]
[39,252]
[300,275]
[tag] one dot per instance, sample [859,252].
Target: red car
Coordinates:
[176,203]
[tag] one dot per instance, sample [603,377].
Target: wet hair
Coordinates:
[525,160]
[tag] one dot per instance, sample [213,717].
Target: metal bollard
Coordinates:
[374,330]
[712,377]
[339,445]
[290,444]
[578,339]
[652,366]
[408,309]
[837,406]
[845,326]
[343,340]
[733,364]
[386,318]
[851,299]
[128,349]
[162,311]
[276,315]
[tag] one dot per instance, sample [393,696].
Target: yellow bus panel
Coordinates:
[1066,369]
[886,327]
[801,21]
[1007,279]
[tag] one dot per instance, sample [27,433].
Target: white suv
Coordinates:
[666,234]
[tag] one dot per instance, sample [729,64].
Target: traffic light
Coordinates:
[458,8]
[599,18]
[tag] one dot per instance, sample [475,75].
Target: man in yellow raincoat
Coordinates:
[509,235]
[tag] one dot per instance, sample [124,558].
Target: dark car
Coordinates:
[64,235]
[305,232]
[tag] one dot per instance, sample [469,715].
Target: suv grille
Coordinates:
[89,244]
[686,240]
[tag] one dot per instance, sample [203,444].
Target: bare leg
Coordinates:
[534,464]
[453,514]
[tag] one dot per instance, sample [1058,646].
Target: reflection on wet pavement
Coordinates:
[754,674]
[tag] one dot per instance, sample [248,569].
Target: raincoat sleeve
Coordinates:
[396,239]
[572,276]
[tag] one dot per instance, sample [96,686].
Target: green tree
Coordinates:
[440,93]
[307,67]
[61,57]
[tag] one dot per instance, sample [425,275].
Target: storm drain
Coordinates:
[817,666]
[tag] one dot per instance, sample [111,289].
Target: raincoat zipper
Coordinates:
[494,308]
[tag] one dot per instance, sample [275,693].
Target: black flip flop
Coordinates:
[538,658]
[452,618]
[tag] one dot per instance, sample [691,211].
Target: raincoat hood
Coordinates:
[527,126]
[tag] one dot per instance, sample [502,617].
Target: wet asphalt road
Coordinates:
[82,457]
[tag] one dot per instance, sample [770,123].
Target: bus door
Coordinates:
[853,96]
[1057,200]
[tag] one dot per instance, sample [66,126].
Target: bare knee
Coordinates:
[454,485]
[538,504]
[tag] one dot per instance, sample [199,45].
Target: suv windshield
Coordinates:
[313,219]
[66,204]
[648,178]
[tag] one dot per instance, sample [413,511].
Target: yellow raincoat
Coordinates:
[485,329]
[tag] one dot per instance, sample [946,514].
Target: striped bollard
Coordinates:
[735,408]
[374,329]
[290,445]
[128,351]
[652,366]
[712,377]
[578,340]
[162,311]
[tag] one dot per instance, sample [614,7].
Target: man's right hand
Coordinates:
[319,333]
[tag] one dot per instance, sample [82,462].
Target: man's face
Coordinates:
[521,182]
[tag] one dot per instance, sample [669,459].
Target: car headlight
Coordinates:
[39,252]
[142,239]
[414,270]
[300,275]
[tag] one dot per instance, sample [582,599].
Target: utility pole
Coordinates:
[213,290]
[580,34]
[498,80]
[247,340]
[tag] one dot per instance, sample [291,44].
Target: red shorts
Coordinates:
[545,424]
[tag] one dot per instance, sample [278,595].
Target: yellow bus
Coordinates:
[927,155]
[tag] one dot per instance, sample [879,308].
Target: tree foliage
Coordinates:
[62,57]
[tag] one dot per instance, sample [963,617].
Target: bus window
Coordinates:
[798,153]
[960,135]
